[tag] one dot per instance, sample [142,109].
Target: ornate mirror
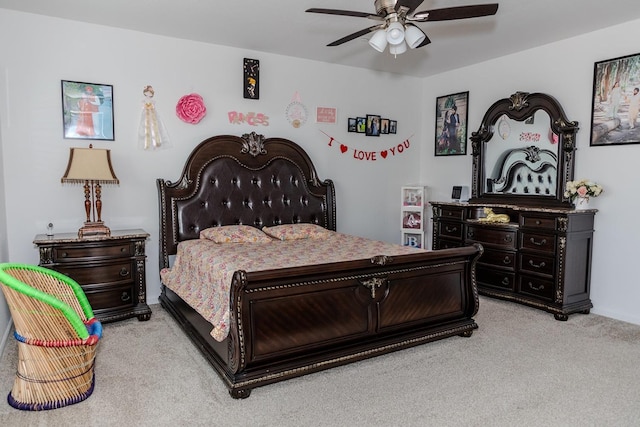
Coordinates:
[523,152]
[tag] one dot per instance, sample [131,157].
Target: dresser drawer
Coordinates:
[538,222]
[498,258]
[495,278]
[99,273]
[448,244]
[536,264]
[451,213]
[112,298]
[539,288]
[76,253]
[538,242]
[450,229]
[492,236]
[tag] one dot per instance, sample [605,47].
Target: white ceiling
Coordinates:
[282,27]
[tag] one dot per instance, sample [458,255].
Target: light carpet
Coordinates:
[520,368]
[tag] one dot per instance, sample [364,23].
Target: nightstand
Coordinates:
[110,269]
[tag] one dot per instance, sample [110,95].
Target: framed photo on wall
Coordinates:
[87,110]
[373,125]
[451,124]
[616,101]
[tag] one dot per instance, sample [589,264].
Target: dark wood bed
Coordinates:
[290,322]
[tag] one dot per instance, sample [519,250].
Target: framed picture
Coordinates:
[384,126]
[361,124]
[393,126]
[352,125]
[373,125]
[616,101]
[87,110]
[451,124]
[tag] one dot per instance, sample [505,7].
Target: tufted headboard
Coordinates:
[527,170]
[250,180]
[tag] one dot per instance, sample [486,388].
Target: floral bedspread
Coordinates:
[202,271]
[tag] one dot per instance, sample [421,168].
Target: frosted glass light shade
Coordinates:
[395,33]
[379,40]
[414,36]
[398,49]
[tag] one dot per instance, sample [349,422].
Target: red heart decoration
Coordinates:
[383,154]
[343,148]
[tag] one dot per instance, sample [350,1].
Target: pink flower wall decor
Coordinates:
[190,108]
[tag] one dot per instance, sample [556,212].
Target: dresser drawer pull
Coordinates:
[538,222]
[64,255]
[540,243]
[506,260]
[505,281]
[541,265]
[125,296]
[450,229]
[539,288]
[470,234]
[124,272]
[123,250]
[508,238]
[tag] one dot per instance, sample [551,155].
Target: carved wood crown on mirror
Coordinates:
[523,152]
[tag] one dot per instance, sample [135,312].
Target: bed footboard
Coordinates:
[318,317]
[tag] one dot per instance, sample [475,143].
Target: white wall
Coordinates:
[38,52]
[4,249]
[564,70]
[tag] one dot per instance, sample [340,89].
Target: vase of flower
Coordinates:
[581,203]
[579,192]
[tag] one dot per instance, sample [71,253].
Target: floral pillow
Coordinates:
[297,231]
[235,234]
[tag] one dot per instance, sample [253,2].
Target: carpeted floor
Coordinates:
[521,368]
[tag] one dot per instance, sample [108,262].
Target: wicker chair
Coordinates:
[57,337]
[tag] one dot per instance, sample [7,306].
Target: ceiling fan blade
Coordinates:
[354,35]
[460,12]
[343,13]
[409,4]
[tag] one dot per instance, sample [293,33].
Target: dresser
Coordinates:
[110,269]
[540,258]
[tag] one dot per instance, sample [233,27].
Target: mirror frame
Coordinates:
[519,107]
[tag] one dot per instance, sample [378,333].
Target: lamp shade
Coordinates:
[90,164]
[398,49]
[414,36]
[379,40]
[395,33]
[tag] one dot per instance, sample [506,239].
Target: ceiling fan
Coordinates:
[398,29]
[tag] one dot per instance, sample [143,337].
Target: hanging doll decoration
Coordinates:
[152,134]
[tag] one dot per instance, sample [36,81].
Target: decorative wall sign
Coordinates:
[251,78]
[251,118]
[326,115]
[369,155]
[87,110]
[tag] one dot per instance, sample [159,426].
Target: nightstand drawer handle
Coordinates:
[125,296]
[64,255]
[450,229]
[506,260]
[541,265]
[540,243]
[508,238]
[124,272]
[505,281]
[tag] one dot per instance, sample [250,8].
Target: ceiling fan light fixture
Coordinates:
[398,49]
[379,40]
[414,36]
[395,33]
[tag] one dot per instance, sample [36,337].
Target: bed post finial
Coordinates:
[253,144]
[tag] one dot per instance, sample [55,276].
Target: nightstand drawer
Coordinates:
[448,244]
[75,253]
[99,273]
[112,298]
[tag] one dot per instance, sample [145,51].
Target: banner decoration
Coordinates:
[371,156]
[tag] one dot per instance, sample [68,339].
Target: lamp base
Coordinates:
[92,229]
